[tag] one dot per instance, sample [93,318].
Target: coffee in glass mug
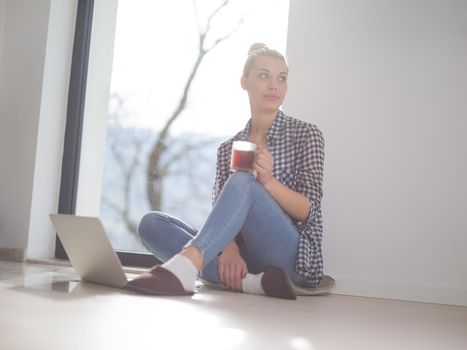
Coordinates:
[243,156]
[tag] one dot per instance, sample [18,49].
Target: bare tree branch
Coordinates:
[121,159]
[108,202]
[198,24]
[226,36]
[163,157]
[155,170]
[130,225]
[214,13]
[186,150]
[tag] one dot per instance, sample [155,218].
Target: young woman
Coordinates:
[264,232]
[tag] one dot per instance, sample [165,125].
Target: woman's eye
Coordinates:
[263,75]
[282,79]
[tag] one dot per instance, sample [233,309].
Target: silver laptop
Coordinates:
[89,249]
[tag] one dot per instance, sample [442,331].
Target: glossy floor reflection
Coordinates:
[47,307]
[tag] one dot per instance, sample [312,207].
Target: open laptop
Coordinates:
[89,249]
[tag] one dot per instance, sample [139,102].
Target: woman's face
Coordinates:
[266,84]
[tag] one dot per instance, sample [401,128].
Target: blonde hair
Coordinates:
[259,49]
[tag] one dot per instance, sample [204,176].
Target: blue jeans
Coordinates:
[268,236]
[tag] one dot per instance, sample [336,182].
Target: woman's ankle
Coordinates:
[195,256]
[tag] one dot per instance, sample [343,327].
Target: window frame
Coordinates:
[74,130]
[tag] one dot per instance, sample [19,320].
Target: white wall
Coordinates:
[49,148]
[33,90]
[386,82]
[20,93]
[35,60]
[2,27]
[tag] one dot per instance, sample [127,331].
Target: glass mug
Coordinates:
[243,156]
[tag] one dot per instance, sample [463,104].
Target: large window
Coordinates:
[174,96]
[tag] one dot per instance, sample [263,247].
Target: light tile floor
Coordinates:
[45,307]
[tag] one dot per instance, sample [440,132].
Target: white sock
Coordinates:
[184,269]
[252,284]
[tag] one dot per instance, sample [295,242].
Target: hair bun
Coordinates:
[256,50]
[256,47]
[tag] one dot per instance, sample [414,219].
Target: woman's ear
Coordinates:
[243,82]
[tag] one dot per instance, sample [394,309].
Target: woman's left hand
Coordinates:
[263,165]
[232,267]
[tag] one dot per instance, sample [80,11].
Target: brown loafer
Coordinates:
[276,283]
[158,281]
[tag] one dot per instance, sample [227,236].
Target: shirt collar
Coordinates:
[274,131]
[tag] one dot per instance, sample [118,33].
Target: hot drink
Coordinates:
[242,160]
[243,156]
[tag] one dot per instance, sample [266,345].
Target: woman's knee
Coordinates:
[240,179]
[242,176]
[149,224]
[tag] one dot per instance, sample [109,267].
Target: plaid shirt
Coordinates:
[298,151]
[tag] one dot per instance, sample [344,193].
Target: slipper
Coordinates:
[276,283]
[325,286]
[158,281]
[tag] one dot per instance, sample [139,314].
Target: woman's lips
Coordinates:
[271,97]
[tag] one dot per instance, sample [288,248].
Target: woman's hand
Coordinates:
[263,165]
[232,267]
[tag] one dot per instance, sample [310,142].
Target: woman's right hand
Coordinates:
[232,268]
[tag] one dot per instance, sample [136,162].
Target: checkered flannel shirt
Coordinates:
[298,151]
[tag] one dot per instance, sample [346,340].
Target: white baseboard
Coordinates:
[401,291]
